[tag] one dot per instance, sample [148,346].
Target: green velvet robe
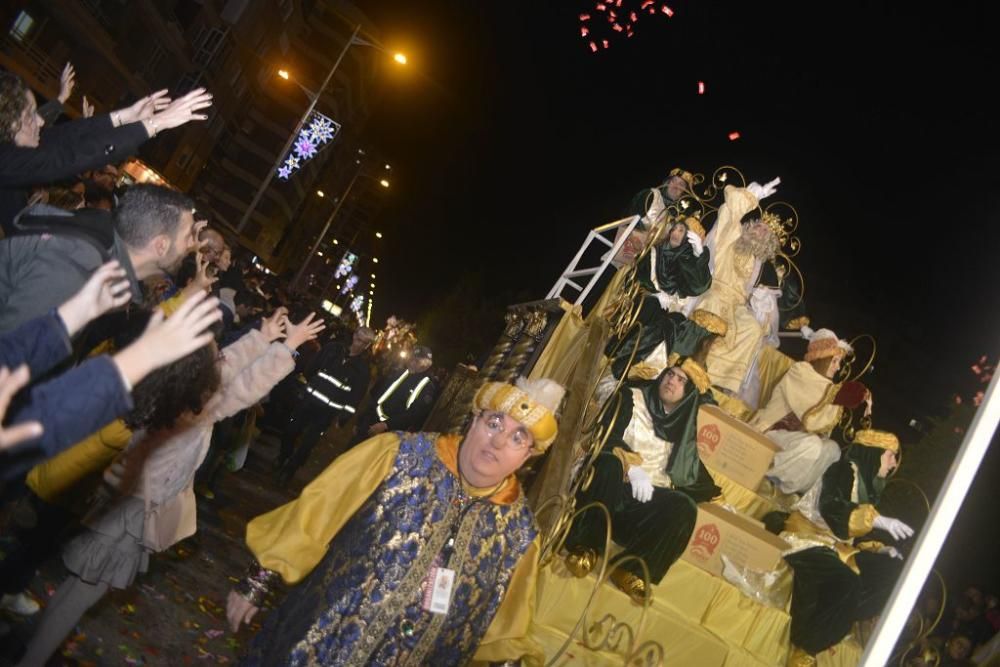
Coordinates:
[658,530]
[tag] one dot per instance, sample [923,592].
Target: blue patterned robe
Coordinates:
[362,605]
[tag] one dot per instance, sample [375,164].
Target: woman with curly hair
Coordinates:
[156,506]
[29,157]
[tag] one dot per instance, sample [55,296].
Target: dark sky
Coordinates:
[510,139]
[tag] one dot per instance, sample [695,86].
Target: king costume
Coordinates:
[362,542]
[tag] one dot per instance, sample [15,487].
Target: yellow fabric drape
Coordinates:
[771,367]
[292,539]
[52,478]
[563,348]
[507,637]
[742,499]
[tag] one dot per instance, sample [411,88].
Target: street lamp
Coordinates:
[354,40]
[326,227]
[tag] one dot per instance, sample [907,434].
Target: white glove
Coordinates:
[895,527]
[696,243]
[664,300]
[642,484]
[762,191]
[893,552]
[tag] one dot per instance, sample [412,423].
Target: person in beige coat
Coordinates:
[156,506]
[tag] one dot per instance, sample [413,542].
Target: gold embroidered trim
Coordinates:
[871,437]
[710,322]
[797,323]
[861,521]
[628,459]
[697,374]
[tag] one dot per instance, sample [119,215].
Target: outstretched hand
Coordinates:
[766,190]
[273,327]
[10,384]
[66,82]
[106,289]
[306,330]
[145,109]
[181,111]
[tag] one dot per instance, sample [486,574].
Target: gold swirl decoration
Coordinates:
[607,633]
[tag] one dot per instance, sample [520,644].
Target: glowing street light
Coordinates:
[378,235]
[283,73]
[388,167]
[400,58]
[320,193]
[384,183]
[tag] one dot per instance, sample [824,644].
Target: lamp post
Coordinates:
[354,40]
[326,226]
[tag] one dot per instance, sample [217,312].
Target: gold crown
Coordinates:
[776,226]
[874,438]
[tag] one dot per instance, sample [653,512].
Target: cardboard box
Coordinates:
[732,448]
[744,541]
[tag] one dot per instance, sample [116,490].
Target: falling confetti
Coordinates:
[622,18]
[701,87]
[733,136]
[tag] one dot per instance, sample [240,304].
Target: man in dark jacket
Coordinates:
[338,382]
[402,401]
[149,233]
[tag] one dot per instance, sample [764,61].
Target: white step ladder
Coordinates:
[573,270]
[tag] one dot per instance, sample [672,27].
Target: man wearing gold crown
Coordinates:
[804,408]
[838,578]
[410,549]
[648,476]
[738,250]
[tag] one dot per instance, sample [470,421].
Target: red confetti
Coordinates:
[618,3]
[647,3]
[633,17]
[593,47]
[605,43]
[701,87]
[666,10]
[617,28]
[583,31]
[733,136]
[600,7]
[584,17]
[652,10]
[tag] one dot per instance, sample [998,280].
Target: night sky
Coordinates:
[510,139]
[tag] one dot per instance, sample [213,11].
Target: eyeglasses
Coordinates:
[677,375]
[519,440]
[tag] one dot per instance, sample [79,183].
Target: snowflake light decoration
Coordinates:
[349,284]
[310,141]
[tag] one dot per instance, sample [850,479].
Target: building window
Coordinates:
[22,26]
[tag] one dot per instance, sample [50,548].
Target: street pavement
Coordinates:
[175,613]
